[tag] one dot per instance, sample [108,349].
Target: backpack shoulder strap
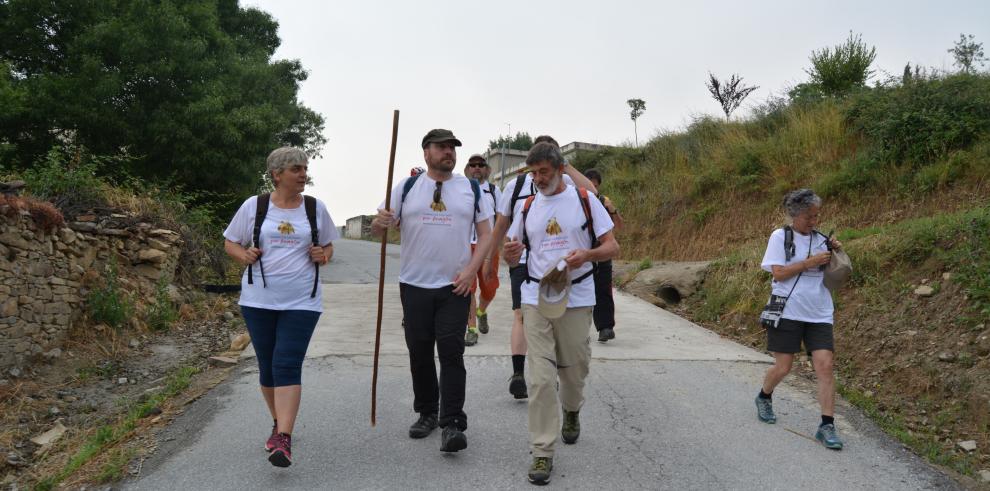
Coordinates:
[788,243]
[476,188]
[406,186]
[310,204]
[525,237]
[520,180]
[589,222]
[260,212]
[491,191]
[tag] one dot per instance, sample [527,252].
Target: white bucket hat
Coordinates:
[555,290]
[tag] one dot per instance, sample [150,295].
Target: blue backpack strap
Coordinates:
[261,211]
[310,205]
[406,186]
[477,197]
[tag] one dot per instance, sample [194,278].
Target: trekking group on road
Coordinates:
[554,231]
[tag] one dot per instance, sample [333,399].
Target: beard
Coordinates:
[551,186]
[443,165]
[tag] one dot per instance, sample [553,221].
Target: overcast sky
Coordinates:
[563,68]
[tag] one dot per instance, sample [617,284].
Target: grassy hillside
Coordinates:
[905,174]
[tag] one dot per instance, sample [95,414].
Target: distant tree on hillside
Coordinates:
[840,69]
[638,107]
[729,93]
[522,141]
[968,53]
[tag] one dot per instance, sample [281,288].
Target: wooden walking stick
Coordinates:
[381,273]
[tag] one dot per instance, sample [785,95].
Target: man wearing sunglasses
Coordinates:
[477,169]
[437,214]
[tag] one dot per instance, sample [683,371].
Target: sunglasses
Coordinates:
[477,164]
[436,192]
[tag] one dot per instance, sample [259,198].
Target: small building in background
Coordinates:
[358,227]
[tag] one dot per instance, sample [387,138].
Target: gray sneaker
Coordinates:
[764,410]
[471,338]
[483,323]
[829,437]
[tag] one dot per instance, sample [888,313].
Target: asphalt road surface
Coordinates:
[669,405]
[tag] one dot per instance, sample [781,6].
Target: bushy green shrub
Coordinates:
[67,178]
[109,304]
[926,120]
[162,312]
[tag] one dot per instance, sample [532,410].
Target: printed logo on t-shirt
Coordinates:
[438,206]
[438,218]
[554,240]
[285,238]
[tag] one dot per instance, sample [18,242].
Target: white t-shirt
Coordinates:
[811,301]
[285,242]
[553,226]
[493,194]
[436,244]
[528,189]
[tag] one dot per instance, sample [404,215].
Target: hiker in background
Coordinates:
[437,212]
[563,231]
[510,207]
[283,238]
[477,169]
[604,313]
[796,256]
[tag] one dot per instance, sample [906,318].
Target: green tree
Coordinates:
[728,93]
[187,90]
[637,108]
[968,53]
[522,141]
[840,69]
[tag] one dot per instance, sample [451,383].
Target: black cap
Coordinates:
[440,136]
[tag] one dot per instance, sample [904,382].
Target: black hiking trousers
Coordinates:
[436,316]
[604,312]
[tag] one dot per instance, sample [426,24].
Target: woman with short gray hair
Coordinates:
[800,308]
[281,297]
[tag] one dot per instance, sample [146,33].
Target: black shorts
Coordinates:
[517,275]
[788,335]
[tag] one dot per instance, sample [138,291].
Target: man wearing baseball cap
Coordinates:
[563,233]
[477,168]
[436,213]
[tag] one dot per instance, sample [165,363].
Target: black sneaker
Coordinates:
[423,426]
[606,334]
[539,470]
[571,429]
[452,439]
[517,386]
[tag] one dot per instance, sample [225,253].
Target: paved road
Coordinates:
[669,406]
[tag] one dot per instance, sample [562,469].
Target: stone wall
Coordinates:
[45,274]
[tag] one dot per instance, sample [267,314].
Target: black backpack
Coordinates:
[259,218]
[516,191]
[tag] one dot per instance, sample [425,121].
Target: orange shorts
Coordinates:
[488,287]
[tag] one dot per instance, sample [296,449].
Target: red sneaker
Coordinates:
[281,455]
[270,444]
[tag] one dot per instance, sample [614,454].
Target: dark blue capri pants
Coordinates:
[280,339]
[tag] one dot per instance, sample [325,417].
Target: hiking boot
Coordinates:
[471,338]
[539,470]
[517,386]
[270,444]
[482,322]
[571,429]
[423,426]
[606,334]
[764,410]
[452,439]
[829,437]
[281,455]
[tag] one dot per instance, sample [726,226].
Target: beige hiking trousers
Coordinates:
[557,348]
